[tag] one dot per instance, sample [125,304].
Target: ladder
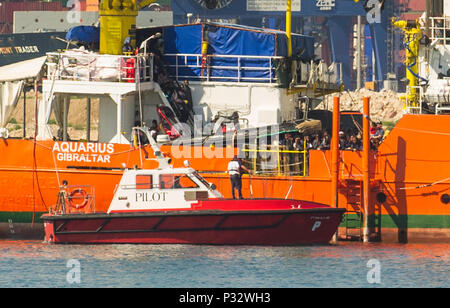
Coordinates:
[353,219]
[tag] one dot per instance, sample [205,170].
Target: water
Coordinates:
[36,264]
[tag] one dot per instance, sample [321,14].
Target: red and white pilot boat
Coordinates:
[178,206]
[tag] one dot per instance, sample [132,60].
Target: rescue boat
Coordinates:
[178,206]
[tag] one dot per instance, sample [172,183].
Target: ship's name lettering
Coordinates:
[149,197]
[99,148]
[83,152]
[18,50]
[87,158]
[26,49]
[6,50]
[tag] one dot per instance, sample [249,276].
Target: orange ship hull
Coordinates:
[409,197]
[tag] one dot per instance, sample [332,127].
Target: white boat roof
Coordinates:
[22,70]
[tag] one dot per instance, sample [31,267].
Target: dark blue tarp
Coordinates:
[183,39]
[232,40]
[85,34]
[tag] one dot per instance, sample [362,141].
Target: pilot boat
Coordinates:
[169,205]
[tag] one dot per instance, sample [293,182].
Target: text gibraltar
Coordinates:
[83,152]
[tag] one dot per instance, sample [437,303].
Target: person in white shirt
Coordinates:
[234,170]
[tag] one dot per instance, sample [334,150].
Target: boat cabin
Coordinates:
[160,189]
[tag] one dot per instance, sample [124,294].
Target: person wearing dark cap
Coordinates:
[379,134]
[234,170]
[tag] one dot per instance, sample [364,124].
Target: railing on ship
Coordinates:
[414,107]
[222,67]
[440,30]
[260,69]
[94,67]
[276,160]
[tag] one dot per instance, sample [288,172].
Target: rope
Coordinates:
[35,174]
[262,173]
[425,185]
[326,163]
[353,118]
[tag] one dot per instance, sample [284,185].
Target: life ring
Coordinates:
[73,195]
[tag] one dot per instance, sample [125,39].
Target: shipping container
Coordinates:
[7,9]
[416,5]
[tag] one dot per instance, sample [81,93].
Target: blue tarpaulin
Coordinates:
[183,39]
[235,40]
[85,34]
[232,40]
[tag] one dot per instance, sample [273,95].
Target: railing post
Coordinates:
[176,67]
[304,157]
[120,70]
[366,171]
[279,160]
[270,70]
[255,156]
[137,70]
[335,157]
[239,69]
[151,67]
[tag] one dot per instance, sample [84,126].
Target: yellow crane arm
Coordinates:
[413,34]
[117,21]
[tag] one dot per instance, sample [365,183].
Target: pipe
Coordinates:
[359,64]
[65,119]
[289,26]
[366,174]
[427,20]
[335,156]
[24,111]
[88,120]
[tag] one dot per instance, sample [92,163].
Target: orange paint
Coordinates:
[411,168]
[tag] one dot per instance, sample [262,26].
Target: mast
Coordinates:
[289,26]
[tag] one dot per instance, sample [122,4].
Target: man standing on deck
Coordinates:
[234,170]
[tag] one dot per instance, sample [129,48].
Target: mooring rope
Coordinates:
[425,185]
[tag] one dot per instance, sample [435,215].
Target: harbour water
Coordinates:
[37,264]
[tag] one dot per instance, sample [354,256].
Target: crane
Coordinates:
[118,21]
[413,34]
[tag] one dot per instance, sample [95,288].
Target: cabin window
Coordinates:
[176,181]
[144,182]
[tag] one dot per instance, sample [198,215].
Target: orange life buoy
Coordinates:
[82,195]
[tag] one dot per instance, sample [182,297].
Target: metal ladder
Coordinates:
[354,215]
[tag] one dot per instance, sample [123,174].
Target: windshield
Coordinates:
[201,179]
[176,181]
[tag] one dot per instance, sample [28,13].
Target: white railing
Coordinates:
[84,66]
[234,68]
[414,107]
[440,30]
